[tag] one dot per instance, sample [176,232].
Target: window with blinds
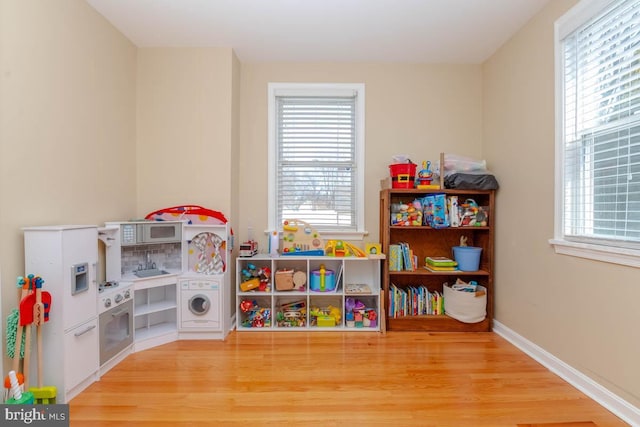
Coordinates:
[601,126]
[317,160]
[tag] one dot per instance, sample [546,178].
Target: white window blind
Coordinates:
[601,128]
[316,160]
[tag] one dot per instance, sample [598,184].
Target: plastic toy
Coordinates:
[329,316]
[425,175]
[255,278]
[293,314]
[340,248]
[248,248]
[255,316]
[407,213]
[17,396]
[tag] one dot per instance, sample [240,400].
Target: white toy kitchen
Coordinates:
[179,275]
[165,281]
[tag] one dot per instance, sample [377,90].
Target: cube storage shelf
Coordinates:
[309,304]
[428,241]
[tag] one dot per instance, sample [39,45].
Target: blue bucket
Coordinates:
[467,257]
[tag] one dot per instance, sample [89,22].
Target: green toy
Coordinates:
[18,397]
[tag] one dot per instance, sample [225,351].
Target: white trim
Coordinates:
[612,402]
[611,254]
[578,15]
[327,89]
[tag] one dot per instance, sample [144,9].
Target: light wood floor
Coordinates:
[336,379]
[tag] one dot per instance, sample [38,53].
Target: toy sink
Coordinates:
[322,283]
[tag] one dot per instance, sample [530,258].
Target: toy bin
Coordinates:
[467,307]
[467,257]
[403,175]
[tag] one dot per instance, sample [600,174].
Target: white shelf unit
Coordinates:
[155,312]
[262,309]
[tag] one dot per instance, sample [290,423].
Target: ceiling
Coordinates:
[419,31]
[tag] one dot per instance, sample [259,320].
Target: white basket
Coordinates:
[467,307]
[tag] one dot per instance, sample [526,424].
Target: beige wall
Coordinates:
[67,124]
[583,312]
[184,128]
[414,109]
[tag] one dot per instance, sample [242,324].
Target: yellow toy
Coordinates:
[340,248]
[329,316]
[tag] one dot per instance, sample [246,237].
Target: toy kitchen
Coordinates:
[176,273]
[166,279]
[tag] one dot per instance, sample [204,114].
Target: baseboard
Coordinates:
[615,404]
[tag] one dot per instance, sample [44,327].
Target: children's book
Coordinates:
[434,269]
[440,261]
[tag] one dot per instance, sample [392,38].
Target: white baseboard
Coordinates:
[618,406]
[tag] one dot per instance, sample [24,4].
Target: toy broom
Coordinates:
[41,394]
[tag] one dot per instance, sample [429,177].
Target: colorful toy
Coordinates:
[248,248]
[292,314]
[41,394]
[299,238]
[255,278]
[17,396]
[340,248]
[255,316]
[424,176]
[326,317]
[407,213]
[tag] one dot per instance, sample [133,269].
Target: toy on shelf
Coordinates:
[290,280]
[325,317]
[473,215]
[340,248]
[407,213]
[254,315]
[248,248]
[254,278]
[299,238]
[425,176]
[292,314]
[358,315]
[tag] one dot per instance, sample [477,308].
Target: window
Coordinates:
[598,131]
[316,157]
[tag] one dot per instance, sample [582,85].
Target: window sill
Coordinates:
[622,256]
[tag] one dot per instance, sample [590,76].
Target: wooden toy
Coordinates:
[299,238]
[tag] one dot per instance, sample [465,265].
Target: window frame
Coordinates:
[318,89]
[581,13]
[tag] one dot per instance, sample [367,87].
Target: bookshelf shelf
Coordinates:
[435,242]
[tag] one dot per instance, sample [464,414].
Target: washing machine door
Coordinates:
[199,304]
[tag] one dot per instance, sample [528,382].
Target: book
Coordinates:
[440,261]
[357,288]
[435,269]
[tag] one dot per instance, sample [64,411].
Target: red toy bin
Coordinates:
[403,175]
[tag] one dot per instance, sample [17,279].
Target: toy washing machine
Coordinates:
[200,305]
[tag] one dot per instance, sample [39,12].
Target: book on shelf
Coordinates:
[414,301]
[401,257]
[435,269]
[357,288]
[440,261]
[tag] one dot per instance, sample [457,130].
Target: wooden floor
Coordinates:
[336,379]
